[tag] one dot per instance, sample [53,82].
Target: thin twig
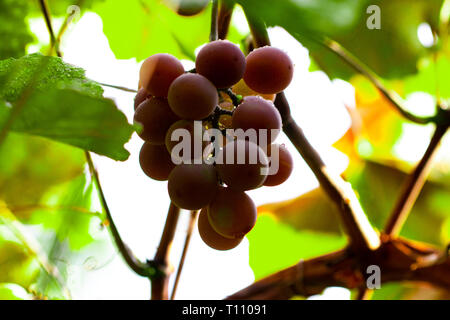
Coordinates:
[413,185]
[364,294]
[46,13]
[117,87]
[160,282]
[187,241]
[359,67]
[137,266]
[213,36]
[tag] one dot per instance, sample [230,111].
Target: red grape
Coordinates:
[158,72]
[240,164]
[268,70]
[194,136]
[222,62]
[192,186]
[211,237]
[155,161]
[232,214]
[156,118]
[285,165]
[140,97]
[192,97]
[258,113]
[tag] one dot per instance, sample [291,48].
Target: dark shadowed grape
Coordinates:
[156,117]
[155,161]
[258,113]
[241,165]
[192,186]
[232,214]
[141,95]
[187,7]
[158,72]
[222,62]
[192,97]
[211,237]
[268,70]
[285,165]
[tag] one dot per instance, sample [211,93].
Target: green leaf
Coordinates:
[64,106]
[29,166]
[17,265]
[66,211]
[392,51]
[14,31]
[150,27]
[272,244]
[12,291]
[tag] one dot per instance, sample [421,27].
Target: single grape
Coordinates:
[222,62]
[232,214]
[285,165]
[186,129]
[187,7]
[211,237]
[257,113]
[241,88]
[158,72]
[192,186]
[156,117]
[193,97]
[155,161]
[268,70]
[140,97]
[242,165]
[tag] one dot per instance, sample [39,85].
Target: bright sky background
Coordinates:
[139,205]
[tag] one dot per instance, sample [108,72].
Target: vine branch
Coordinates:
[187,241]
[413,185]
[160,281]
[214,35]
[224,19]
[362,236]
[137,266]
[399,260]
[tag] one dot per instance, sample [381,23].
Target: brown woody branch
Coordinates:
[362,236]
[187,241]
[224,19]
[160,281]
[399,260]
[413,185]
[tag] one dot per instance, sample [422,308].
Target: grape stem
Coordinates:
[225,14]
[214,35]
[192,220]
[236,99]
[160,281]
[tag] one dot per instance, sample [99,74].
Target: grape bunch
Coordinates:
[226,91]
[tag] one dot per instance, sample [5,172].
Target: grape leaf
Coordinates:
[64,106]
[150,27]
[12,291]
